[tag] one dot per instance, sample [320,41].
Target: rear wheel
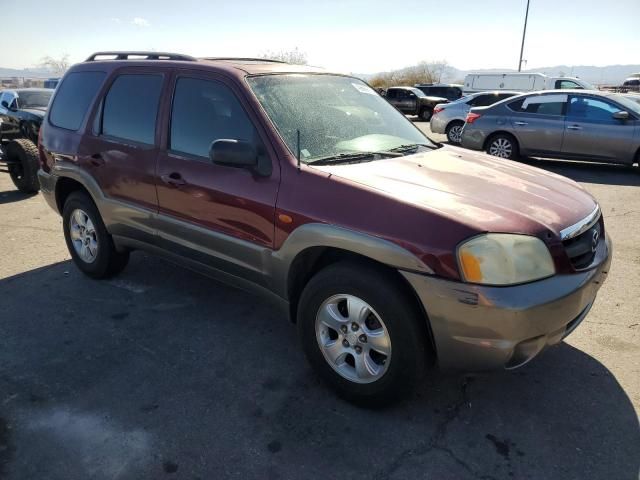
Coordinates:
[503,145]
[88,241]
[23,166]
[362,333]
[454,132]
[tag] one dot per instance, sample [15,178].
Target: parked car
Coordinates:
[449,118]
[451,92]
[573,124]
[412,101]
[21,114]
[521,82]
[309,188]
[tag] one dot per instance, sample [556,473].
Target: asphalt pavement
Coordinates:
[162,373]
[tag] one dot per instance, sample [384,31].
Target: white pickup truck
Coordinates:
[521,82]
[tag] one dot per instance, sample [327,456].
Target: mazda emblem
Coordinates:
[594,240]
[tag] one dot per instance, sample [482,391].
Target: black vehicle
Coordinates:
[412,101]
[451,92]
[21,114]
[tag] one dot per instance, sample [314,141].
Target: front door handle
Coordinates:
[574,127]
[173,179]
[521,124]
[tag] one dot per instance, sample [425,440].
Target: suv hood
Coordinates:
[480,191]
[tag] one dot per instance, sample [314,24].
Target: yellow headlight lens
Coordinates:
[504,259]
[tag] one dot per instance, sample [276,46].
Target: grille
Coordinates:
[581,249]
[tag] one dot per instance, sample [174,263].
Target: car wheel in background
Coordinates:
[362,333]
[88,241]
[454,132]
[503,145]
[425,114]
[24,167]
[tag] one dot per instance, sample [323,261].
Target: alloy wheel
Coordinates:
[455,134]
[501,147]
[83,236]
[353,338]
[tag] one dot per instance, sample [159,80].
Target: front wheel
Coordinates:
[23,166]
[503,145]
[362,334]
[425,114]
[88,241]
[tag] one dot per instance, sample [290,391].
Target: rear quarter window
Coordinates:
[73,98]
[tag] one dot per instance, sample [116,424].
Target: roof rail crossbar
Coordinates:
[244,59]
[139,56]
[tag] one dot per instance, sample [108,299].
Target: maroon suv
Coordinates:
[388,251]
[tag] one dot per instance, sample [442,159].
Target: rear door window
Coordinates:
[73,98]
[131,107]
[541,105]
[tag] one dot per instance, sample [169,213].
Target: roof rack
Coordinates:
[140,56]
[244,59]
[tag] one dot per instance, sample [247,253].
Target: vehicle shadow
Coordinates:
[161,371]
[605,174]
[12,196]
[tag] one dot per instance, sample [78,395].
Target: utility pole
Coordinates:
[524,33]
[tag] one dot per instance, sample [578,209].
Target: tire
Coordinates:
[454,132]
[504,146]
[425,114]
[99,259]
[24,174]
[391,318]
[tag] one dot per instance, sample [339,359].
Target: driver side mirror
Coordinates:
[621,115]
[239,154]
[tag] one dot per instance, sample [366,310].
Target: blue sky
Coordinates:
[348,36]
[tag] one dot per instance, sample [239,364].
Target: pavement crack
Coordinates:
[437,440]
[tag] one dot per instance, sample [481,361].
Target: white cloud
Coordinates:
[116,20]
[141,22]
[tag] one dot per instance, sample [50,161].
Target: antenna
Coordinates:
[298,147]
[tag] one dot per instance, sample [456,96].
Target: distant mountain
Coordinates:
[609,75]
[26,72]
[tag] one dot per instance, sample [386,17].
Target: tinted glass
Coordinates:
[131,108]
[73,97]
[567,84]
[205,111]
[34,99]
[592,109]
[542,104]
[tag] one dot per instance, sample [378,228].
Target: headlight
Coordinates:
[504,259]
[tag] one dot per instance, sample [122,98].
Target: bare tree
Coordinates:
[295,56]
[423,72]
[55,65]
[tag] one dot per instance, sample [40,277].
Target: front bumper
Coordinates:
[478,327]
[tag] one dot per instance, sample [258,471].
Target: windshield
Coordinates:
[36,99]
[335,115]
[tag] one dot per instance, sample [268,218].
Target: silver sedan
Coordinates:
[448,118]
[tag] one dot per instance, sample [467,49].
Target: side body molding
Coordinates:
[325,235]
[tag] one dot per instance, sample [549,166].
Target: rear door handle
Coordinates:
[173,179]
[96,160]
[574,127]
[521,124]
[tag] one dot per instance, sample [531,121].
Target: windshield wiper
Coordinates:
[353,157]
[410,146]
